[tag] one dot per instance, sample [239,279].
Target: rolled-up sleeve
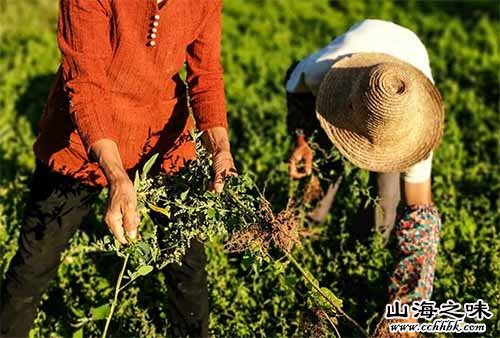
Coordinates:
[84,40]
[205,73]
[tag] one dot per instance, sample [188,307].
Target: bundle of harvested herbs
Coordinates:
[181,208]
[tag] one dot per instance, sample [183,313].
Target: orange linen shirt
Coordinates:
[119,79]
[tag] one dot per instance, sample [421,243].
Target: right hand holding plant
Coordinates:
[301,161]
[122,213]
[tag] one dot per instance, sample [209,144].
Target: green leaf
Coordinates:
[311,277]
[78,334]
[247,261]
[77,312]
[158,209]
[325,300]
[144,270]
[144,250]
[149,164]
[137,180]
[184,195]
[211,213]
[192,133]
[101,312]
[331,296]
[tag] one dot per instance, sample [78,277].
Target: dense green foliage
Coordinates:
[261,39]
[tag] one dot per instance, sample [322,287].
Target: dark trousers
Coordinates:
[56,208]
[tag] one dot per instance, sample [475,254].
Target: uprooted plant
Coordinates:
[181,209]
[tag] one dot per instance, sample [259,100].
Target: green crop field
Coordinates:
[261,38]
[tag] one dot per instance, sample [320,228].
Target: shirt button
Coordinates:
[152,36]
[152,43]
[154,30]
[155,23]
[157,17]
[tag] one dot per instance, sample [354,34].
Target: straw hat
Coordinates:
[381,113]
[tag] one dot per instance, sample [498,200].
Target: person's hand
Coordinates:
[217,142]
[122,216]
[301,161]
[223,166]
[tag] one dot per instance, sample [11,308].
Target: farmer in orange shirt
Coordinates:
[371,93]
[117,99]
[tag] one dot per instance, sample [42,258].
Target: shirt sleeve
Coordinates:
[295,82]
[420,171]
[417,237]
[83,38]
[205,74]
[309,73]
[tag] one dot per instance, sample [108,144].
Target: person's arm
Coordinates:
[83,38]
[418,193]
[417,234]
[417,183]
[217,143]
[301,123]
[206,92]
[300,101]
[121,215]
[301,161]
[302,83]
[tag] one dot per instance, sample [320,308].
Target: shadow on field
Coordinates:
[31,102]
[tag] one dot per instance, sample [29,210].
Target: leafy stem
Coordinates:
[115,299]
[316,287]
[238,201]
[125,285]
[337,333]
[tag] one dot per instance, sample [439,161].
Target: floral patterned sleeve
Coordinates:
[417,234]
